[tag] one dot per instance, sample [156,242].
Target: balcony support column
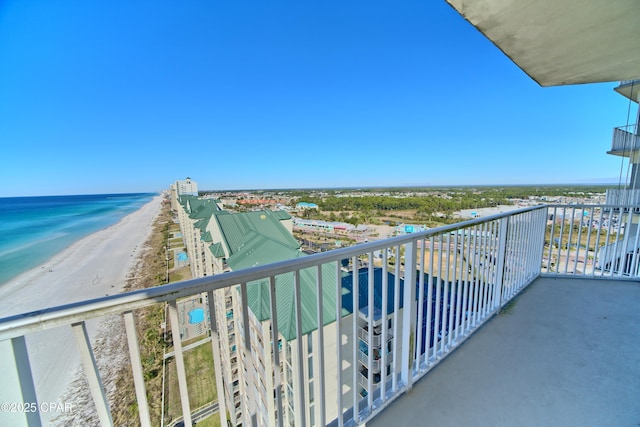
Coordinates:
[179,358]
[217,360]
[503,231]
[91,371]
[634,180]
[409,313]
[18,387]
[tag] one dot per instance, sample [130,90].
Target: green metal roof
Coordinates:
[183,199]
[236,229]
[198,208]
[280,215]
[206,237]
[258,238]
[258,249]
[202,224]
[217,250]
[259,300]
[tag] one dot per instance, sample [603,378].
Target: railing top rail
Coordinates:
[609,206]
[22,324]
[622,128]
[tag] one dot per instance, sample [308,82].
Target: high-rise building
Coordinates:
[219,241]
[185,187]
[626,144]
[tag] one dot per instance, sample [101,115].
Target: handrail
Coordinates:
[456,277]
[22,324]
[633,125]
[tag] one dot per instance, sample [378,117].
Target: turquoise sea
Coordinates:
[33,229]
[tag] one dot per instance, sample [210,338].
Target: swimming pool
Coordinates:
[196,316]
[182,256]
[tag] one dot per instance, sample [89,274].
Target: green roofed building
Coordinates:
[219,241]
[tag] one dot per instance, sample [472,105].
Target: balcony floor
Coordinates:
[567,352]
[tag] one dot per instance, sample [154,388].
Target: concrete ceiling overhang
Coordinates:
[560,42]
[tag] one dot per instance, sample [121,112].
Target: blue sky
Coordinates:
[124,96]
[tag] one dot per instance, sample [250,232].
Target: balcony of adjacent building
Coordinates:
[623,196]
[629,89]
[376,337]
[527,317]
[375,363]
[625,141]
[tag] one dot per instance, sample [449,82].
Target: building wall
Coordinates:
[263,385]
[187,187]
[249,375]
[288,224]
[173,192]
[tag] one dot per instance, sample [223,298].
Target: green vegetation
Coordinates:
[212,421]
[151,269]
[431,206]
[427,204]
[199,368]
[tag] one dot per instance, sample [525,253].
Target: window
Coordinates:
[310,367]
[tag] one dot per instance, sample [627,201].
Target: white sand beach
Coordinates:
[93,267]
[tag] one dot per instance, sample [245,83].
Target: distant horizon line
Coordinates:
[315,188]
[375,187]
[84,194]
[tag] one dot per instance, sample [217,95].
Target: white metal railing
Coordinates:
[623,196]
[593,240]
[451,280]
[626,139]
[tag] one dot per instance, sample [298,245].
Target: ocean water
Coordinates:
[33,229]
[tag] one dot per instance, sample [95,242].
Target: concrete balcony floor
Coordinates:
[565,353]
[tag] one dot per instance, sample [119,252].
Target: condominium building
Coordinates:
[566,353]
[184,187]
[219,241]
[626,144]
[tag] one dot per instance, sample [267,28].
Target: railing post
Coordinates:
[300,383]
[409,314]
[248,411]
[136,369]
[625,241]
[17,384]
[217,361]
[179,359]
[503,232]
[93,377]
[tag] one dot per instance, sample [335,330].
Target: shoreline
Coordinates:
[102,253]
[94,266]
